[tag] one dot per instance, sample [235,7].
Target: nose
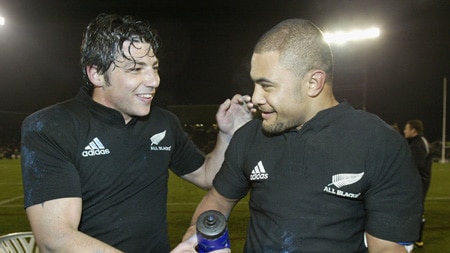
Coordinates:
[258,96]
[152,79]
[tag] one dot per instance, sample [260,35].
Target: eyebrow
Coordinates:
[262,80]
[131,63]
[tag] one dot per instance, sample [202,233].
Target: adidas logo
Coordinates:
[259,172]
[95,148]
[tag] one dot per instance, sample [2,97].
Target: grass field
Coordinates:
[184,197]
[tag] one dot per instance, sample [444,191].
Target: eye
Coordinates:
[266,86]
[133,69]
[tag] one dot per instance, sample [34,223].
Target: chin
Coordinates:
[270,129]
[275,128]
[142,113]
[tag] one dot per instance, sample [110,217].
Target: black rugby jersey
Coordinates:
[319,188]
[80,148]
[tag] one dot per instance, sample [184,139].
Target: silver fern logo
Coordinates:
[156,139]
[341,180]
[344,179]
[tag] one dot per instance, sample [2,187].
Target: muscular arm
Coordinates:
[377,245]
[204,175]
[55,226]
[232,114]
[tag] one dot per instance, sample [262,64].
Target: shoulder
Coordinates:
[247,134]
[164,117]
[250,128]
[364,129]
[51,116]
[370,124]
[158,112]
[56,119]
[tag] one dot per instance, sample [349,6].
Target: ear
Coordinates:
[316,82]
[94,76]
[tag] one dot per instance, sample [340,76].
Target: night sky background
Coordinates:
[207,47]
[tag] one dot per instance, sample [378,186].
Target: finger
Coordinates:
[192,240]
[250,104]
[237,99]
[186,246]
[244,99]
[247,98]
[225,105]
[226,250]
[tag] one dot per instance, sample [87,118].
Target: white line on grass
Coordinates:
[10,200]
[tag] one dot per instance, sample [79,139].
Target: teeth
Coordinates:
[145,95]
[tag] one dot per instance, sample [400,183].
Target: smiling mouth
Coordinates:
[146,96]
[266,115]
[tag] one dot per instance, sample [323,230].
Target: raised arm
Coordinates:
[232,114]
[55,227]
[212,201]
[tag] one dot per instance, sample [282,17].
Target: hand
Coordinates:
[234,113]
[187,246]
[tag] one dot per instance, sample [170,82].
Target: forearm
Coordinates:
[212,201]
[55,227]
[72,241]
[214,160]
[232,114]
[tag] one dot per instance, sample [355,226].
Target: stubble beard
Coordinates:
[278,127]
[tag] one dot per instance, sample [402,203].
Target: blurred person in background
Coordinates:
[420,149]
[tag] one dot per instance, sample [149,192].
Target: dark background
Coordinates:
[207,47]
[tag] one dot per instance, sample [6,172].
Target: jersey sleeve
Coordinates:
[393,201]
[48,170]
[231,181]
[186,157]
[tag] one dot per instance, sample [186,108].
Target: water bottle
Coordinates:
[212,232]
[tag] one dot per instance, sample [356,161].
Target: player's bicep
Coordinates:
[51,219]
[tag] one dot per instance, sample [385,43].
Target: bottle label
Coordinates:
[207,245]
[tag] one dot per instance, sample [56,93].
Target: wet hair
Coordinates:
[416,125]
[104,38]
[301,47]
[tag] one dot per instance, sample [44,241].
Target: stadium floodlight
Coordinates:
[2,20]
[354,35]
[357,34]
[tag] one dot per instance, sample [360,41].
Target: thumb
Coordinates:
[192,240]
[186,246]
